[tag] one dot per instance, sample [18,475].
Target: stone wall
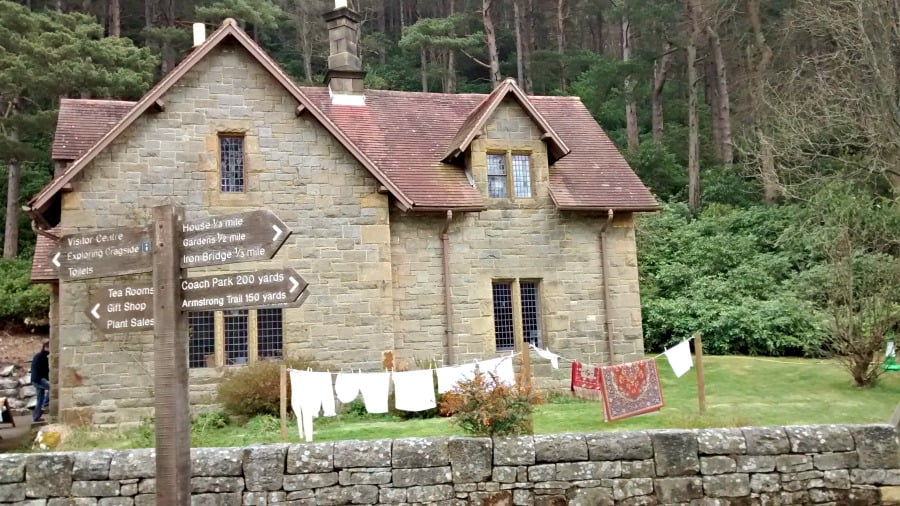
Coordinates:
[828,464]
[15,386]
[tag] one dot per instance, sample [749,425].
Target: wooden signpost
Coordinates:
[169,246]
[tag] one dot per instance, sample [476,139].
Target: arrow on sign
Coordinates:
[220,240]
[102,253]
[263,288]
[120,309]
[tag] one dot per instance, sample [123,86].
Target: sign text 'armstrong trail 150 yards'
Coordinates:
[113,252]
[244,237]
[263,288]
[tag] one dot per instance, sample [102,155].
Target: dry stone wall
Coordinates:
[826,464]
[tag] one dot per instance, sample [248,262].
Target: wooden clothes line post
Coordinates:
[283,394]
[701,386]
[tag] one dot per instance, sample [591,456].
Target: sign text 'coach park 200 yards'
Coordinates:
[244,237]
[128,307]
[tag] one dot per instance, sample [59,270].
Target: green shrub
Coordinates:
[19,298]
[484,407]
[727,274]
[254,389]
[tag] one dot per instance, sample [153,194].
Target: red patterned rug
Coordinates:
[586,381]
[630,389]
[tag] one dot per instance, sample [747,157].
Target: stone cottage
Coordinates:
[432,226]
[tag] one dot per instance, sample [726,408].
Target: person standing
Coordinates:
[40,378]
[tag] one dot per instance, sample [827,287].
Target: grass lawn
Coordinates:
[739,391]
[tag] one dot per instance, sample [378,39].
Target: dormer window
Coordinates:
[500,180]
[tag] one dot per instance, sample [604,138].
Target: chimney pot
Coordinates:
[199,34]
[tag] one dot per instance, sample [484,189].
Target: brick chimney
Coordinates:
[345,74]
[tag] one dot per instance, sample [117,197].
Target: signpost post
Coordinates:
[170,245]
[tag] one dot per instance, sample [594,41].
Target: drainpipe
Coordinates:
[604,260]
[448,306]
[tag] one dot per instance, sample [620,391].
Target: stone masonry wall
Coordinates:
[525,238]
[294,167]
[827,464]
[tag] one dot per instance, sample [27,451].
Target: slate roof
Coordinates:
[83,122]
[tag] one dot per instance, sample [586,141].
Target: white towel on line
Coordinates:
[375,387]
[414,390]
[449,377]
[347,386]
[310,393]
[501,367]
[679,357]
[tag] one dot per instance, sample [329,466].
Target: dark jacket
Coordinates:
[40,366]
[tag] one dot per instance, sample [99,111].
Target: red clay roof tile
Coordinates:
[83,122]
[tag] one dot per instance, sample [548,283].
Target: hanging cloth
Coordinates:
[630,389]
[449,377]
[501,367]
[414,390]
[547,355]
[310,393]
[679,357]
[375,387]
[585,381]
[347,386]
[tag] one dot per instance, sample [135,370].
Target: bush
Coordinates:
[484,407]
[19,298]
[254,389]
[727,274]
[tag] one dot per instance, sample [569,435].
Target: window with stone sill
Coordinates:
[504,294]
[501,179]
[231,163]
[238,336]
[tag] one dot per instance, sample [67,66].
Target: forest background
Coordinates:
[769,131]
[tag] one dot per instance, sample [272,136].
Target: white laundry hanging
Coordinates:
[347,386]
[310,393]
[375,387]
[548,355]
[501,367]
[414,390]
[449,377]
[679,357]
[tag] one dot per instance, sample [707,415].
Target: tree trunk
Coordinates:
[520,44]
[711,94]
[631,125]
[771,189]
[423,65]
[149,12]
[693,132]
[11,235]
[561,43]
[115,19]
[451,58]
[660,69]
[493,57]
[726,148]
[402,16]
[306,48]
